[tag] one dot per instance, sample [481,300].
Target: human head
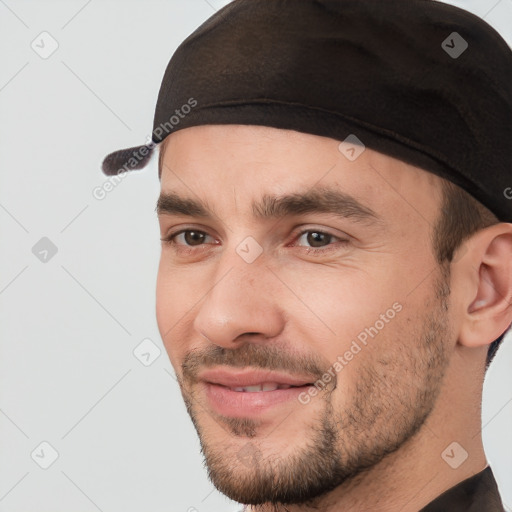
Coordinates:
[427,284]
[289,311]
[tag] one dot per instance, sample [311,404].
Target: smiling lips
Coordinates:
[247,379]
[246,393]
[266,386]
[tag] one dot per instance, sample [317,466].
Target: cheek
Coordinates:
[343,302]
[172,305]
[163,302]
[358,316]
[373,364]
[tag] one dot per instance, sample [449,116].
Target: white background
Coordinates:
[69,326]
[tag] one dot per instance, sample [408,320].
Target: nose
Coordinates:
[241,303]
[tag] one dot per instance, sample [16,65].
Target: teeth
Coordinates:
[266,386]
[250,389]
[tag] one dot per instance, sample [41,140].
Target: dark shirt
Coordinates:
[478,493]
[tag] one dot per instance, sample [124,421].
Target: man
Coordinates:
[336,268]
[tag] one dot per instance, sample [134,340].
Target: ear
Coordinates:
[486,268]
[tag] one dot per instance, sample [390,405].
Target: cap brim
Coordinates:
[130,159]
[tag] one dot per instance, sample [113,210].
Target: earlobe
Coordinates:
[489,311]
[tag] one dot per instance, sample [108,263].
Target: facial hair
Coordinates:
[391,399]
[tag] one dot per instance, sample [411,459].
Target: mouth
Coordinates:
[249,393]
[266,386]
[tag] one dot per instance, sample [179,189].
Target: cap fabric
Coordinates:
[418,80]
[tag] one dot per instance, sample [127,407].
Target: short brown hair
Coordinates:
[461,216]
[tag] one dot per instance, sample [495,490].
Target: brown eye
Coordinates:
[319,243]
[186,238]
[316,238]
[193,237]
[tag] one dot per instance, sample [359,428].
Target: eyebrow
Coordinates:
[318,200]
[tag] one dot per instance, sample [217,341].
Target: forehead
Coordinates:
[241,164]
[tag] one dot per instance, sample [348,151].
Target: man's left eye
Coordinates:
[318,239]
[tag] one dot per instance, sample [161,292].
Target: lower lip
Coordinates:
[226,402]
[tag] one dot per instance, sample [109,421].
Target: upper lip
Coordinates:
[248,377]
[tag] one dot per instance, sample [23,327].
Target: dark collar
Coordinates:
[478,493]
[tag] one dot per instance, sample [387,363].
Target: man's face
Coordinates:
[348,306]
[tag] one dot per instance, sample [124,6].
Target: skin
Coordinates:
[373,439]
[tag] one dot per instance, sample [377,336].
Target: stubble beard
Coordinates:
[391,400]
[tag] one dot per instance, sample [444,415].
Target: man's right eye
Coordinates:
[189,238]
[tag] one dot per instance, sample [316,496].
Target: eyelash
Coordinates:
[170,240]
